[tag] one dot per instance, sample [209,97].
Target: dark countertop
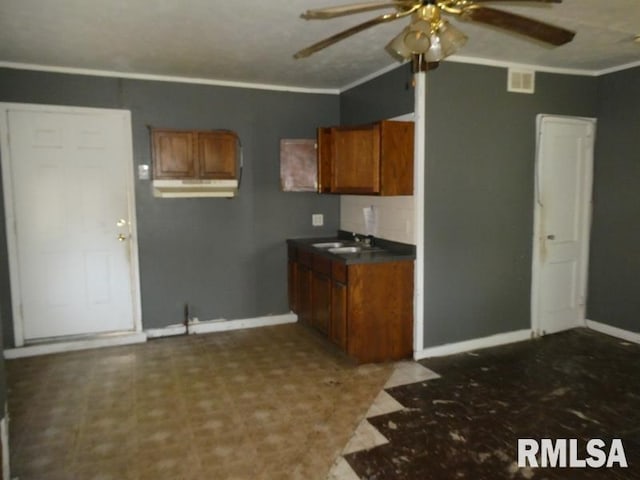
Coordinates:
[382,250]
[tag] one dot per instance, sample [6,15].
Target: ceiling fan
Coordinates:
[429,37]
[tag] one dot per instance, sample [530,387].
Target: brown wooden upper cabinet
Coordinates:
[179,154]
[375,159]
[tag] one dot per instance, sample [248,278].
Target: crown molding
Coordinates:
[619,68]
[371,76]
[504,64]
[166,78]
[501,64]
[322,91]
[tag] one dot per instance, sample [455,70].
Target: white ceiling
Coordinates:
[253,41]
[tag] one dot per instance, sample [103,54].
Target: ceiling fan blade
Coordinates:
[332,12]
[519,24]
[530,1]
[305,52]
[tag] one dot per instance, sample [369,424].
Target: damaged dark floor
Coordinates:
[466,424]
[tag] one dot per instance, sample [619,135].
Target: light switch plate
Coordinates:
[144,172]
[317,219]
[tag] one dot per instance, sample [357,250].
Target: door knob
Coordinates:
[122,237]
[121,223]
[551,237]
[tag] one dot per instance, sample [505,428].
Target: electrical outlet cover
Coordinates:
[317,219]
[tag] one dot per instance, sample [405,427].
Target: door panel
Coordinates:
[325,150]
[173,154]
[565,163]
[321,302]
[217,154]
[69,175]
[356,160]
[304,294]
[338,326]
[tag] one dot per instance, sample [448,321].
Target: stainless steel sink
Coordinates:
[345,250]
[328,245]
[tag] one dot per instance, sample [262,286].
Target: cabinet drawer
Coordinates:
[322,265]
[305,258]
[339,272]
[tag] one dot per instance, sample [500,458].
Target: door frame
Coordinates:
[10,215]
[536,267]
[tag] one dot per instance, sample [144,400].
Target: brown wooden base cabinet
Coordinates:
[366,309]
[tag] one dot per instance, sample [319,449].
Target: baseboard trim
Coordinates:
[222,325]
[613,331]
[475,344]
[169,331]
[114,340]
[226,325]
[107,340]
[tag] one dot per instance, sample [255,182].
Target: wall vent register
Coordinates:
[521,81]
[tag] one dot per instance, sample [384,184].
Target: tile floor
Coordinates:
[270,403]
[465,425]
[280,403]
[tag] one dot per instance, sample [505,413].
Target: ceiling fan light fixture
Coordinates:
[417,41]
[397,47]
[417,37]
[421,25]
[451,38]
[435,52]
[429,35]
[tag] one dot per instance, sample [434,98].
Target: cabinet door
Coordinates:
[292,284]
[396,158]
[321,302]
[173,154]
[380,311]
[338,327]
[356,160]
[324,159]
[304,294]
[217,154]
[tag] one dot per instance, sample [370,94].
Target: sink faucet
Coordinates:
[366,240]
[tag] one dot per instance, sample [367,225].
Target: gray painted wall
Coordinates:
[386,96]
[614,273]
[479,185]
[479,196]
[479,189]
[227,258]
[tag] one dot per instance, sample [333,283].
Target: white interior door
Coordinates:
[562,221]
[69,180]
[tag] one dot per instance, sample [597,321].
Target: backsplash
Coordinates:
[394,215]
